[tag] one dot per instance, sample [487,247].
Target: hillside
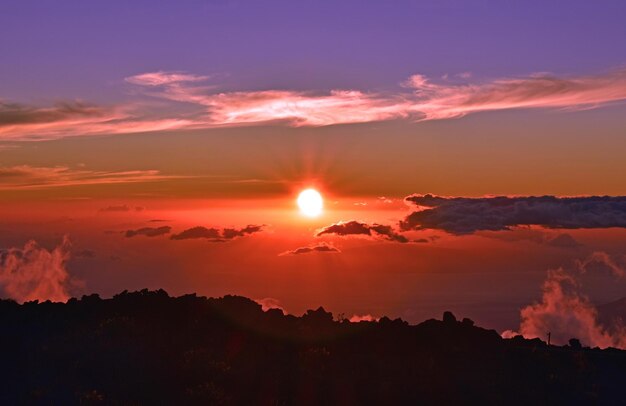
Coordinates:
[148,348]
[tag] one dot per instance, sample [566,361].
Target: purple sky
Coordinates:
[78,49]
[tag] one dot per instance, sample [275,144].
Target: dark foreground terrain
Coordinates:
[149,348]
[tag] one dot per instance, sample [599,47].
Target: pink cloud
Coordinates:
[20,122]
[419,99]
[303,109]
[425,101]
[566,312]
[163,78]
[268,303]
[366,317]
[537,91]
[34,273]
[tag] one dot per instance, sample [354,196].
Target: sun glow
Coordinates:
[310,203]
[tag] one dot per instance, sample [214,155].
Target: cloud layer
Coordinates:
[32,177]
[204,106]
[462,215]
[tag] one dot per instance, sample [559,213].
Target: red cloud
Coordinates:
[268,303]
[366,317]
[565,312]
[34,273]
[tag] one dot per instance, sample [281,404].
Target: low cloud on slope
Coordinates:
[35,273]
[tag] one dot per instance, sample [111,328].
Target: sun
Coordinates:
[310,202]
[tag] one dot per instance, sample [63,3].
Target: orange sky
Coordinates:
[94,189]
[487,276]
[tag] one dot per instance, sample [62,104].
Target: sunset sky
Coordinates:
[471,155]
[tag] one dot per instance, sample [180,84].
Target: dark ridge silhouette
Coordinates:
[149,348]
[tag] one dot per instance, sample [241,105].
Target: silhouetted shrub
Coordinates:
[449,318]
[575,343]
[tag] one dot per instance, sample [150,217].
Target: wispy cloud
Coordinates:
[33,177]
[420,99]
[536,91]
[204,106]
[303,109]
[19,122]
[163,78]
[14,114]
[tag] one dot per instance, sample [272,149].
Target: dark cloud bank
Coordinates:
[462,215]
[353,227]
[12,114]
[149,231]
[216,234]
